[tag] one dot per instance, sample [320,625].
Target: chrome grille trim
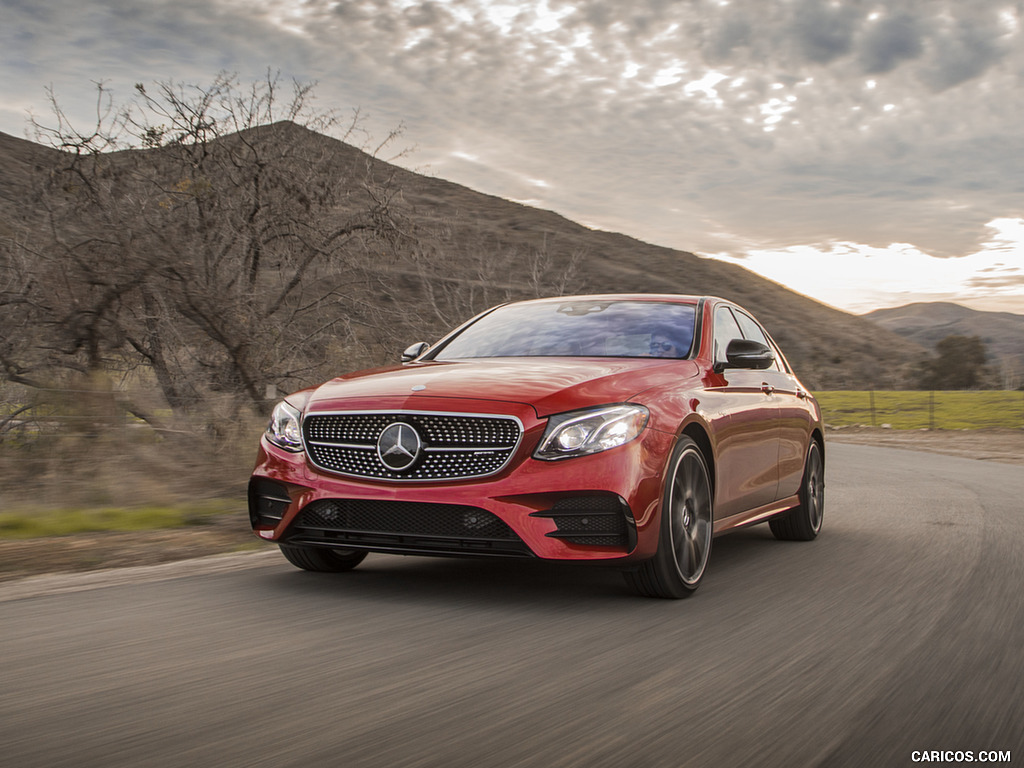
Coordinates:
[456,445]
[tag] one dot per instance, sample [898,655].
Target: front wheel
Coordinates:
[803,522]
[322,559]
[687,522]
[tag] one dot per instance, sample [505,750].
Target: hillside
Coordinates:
[928,323]
[18,159]
[489,249]
[830,348]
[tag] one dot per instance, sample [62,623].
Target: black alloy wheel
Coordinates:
[687,525]
[803,522]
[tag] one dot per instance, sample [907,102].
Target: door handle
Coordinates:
[767,388]
[801,394]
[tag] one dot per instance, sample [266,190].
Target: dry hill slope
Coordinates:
[18,159]
[831,349]
[472,237]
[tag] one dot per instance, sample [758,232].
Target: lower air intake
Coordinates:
[598,520]
[404,526]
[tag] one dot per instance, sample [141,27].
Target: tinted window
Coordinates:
[726,329]
[578,328]
[752,331]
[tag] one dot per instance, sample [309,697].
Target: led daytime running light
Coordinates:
[285,429]
[585,432]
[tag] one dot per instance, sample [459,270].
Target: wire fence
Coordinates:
[980,409]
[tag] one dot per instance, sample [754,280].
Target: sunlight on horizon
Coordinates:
[859,278]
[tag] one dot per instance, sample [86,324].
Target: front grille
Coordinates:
[451,446]
[404,526]
[599,520]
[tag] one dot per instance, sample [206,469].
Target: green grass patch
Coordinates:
[924,410]
[34,523]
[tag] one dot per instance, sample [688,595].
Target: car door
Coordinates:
[795,419]
[747,428]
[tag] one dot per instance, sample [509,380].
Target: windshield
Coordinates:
[578,328]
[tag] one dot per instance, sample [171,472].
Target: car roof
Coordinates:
[661,297]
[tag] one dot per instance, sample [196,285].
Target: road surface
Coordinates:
[900,630]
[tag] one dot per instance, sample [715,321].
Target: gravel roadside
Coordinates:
[1002,445]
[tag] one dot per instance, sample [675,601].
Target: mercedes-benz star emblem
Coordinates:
[399,446]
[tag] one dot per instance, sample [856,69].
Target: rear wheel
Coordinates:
[684,541]
[803,522]
[322,559]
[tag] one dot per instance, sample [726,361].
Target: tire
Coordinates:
[322,559]
[687,525]
[803,522]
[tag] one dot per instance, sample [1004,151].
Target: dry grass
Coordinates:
[77,502]
[924,410]
[126,466]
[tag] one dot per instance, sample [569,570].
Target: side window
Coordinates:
[725,331]
[752,331]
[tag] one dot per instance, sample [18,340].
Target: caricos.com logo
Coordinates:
[959,756]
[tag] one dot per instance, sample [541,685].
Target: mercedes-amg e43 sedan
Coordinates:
[624,429]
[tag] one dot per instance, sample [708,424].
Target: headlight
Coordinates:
[592,431]
[284,430]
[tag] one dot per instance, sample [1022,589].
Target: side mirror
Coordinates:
[417,349]
[744,353]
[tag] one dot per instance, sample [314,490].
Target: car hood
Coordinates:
[549,385]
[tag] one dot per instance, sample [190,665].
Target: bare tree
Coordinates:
[225,253]
[459,273]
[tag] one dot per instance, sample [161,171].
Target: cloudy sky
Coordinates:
[865,153]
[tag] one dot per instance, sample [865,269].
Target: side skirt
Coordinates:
[758,515]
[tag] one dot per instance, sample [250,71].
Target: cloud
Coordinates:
[704,125]
[964,48]
[733,32]
[889,42]
[991,283]
[824,31]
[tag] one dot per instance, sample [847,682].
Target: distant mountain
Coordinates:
[481,239]
[929,323]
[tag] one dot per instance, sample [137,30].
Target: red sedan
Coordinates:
[629,429]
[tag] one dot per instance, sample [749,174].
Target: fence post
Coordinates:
[931,410]
[872,394]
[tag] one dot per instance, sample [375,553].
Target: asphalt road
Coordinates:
[900,629]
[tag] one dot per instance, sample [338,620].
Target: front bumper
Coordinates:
[604,506]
